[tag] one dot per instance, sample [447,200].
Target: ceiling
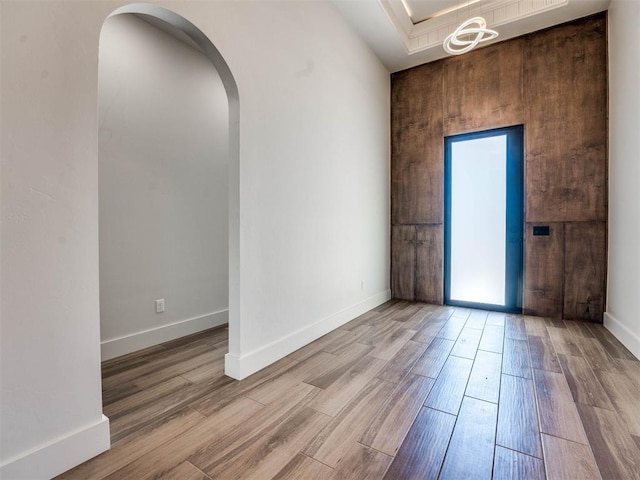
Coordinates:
[406,33]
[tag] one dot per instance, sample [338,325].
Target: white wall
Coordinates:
[623,289]
[313,212]
[50,341]
[163,157]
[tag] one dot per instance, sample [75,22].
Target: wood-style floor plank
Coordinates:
[556,409]
[406,390]
[185,471]
[512,465]
[567,460]
[543,355]
[477,319]
[388,429]
[304,467]
[448,390]
[424,447]
[328,446]
[484,381]
[262,457]
[514,328]
[434,357]
[516,359]
[335,366]
[564,342]
[536,326]
[347,386]
[597,355]
[616,454]
[467,343]
[583,383]
[496,318]
[470,452]
[518,417]
[361,463]
[492,338]
[161,459]
[402,362]
[452,328]
[624,396]
[610,343]
[130,449]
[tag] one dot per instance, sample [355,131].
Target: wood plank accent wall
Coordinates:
[555,83]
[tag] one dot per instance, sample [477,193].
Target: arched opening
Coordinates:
[166,231]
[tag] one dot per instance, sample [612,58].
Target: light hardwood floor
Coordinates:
[405,391]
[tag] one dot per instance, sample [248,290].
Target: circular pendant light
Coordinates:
[468,35]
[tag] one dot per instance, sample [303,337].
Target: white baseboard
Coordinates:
[619,330]
[59,456]
[240,367]
[148,338]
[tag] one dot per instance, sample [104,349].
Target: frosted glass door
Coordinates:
[482,235]
[478,220]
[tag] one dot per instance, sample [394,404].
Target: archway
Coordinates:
[192,35]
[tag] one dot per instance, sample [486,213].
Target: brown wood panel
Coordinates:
[509,465]
[417,169]
[429,258]
[585,266]
[517,417]
[544,271]
[403,261]
[484,90]
[423,450]
[470,451]
[566,138]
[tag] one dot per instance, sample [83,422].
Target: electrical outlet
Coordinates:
[160,305]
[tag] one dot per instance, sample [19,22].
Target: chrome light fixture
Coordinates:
[467,36]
